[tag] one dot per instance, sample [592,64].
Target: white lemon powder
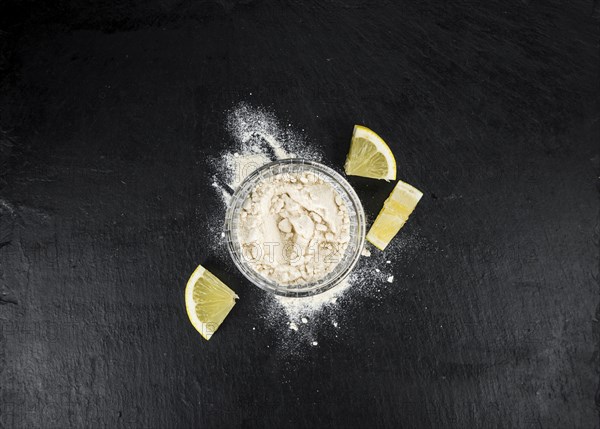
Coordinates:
[294,228]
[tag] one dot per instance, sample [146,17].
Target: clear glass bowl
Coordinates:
[357,227]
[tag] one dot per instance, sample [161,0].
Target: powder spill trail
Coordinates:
[259,139]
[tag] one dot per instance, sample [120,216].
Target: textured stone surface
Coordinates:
[108,114]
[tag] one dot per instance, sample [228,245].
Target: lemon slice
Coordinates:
[369,156]
[207,301]
[394,214]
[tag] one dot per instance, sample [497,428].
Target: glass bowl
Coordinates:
[356,228]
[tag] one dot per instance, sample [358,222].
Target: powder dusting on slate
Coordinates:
[258,138]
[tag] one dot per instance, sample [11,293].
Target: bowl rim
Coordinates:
[266,284]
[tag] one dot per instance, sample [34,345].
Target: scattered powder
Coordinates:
[390,279]
[303,309]
[213,226]
[314,343]
[259,139]
[248,125]
[222,192]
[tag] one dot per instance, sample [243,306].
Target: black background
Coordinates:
[108,113]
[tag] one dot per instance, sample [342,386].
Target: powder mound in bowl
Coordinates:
[290,227]
[295,228]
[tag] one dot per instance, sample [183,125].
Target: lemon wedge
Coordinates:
[207,301]
[369,156]
[394,214]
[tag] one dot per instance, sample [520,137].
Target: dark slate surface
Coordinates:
[108,113]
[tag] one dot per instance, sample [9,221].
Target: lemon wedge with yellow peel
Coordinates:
[207,301]
[394,214]
[369,156]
